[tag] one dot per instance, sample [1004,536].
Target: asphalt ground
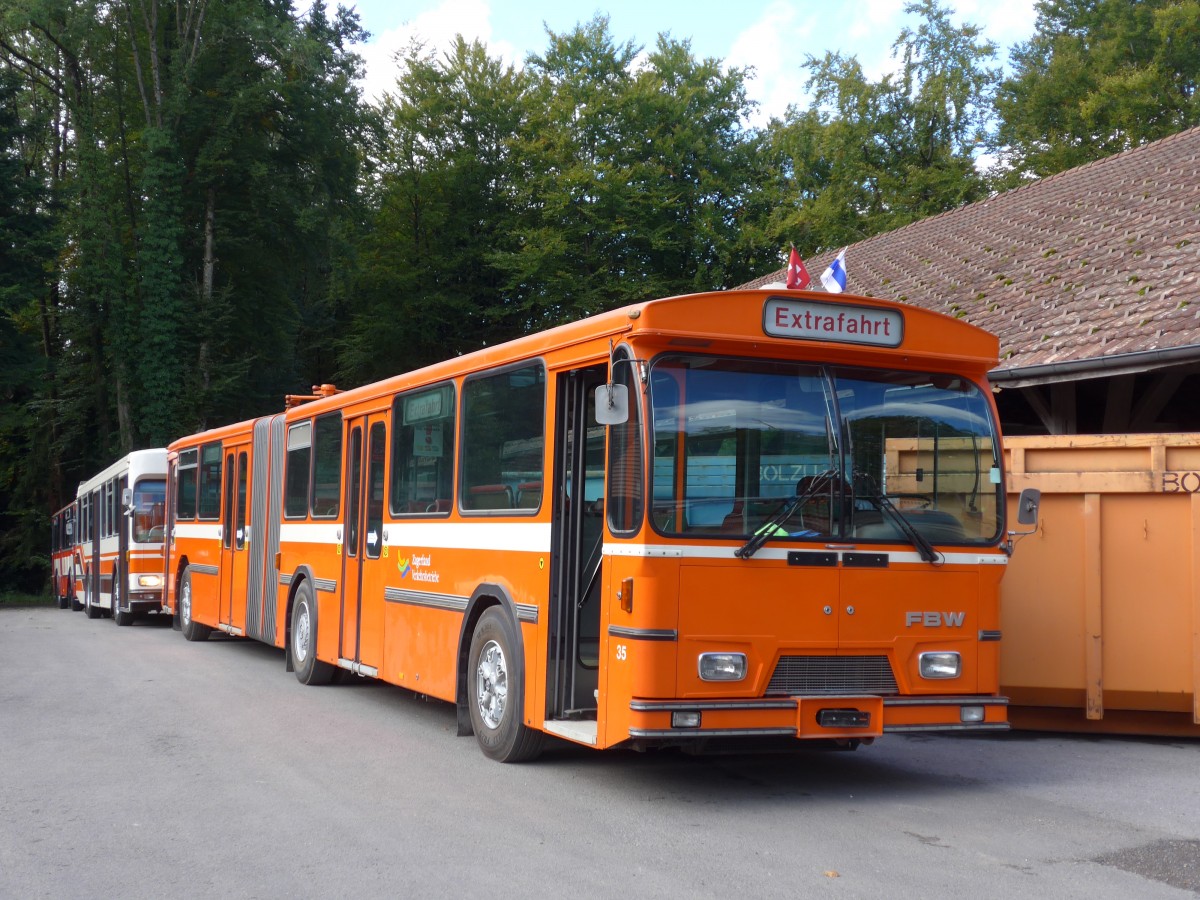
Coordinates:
[134,764]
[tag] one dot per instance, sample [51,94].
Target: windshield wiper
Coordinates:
[772,526]
[924,549]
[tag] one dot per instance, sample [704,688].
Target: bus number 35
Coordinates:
[622,652]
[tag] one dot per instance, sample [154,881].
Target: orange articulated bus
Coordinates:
[120,536]
[62,555]
[744,517]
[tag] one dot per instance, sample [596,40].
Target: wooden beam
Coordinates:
[1154,401]
[1033,396]
[1062,405]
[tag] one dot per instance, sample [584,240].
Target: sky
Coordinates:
[773,36]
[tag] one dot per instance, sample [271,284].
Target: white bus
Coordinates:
[119,537]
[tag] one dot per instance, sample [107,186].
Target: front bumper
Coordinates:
[837,718]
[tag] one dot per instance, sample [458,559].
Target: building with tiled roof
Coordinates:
[1090,278]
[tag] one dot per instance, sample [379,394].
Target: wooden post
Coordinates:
[1092,603]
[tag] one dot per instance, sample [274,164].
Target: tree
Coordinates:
[868,157]
[634,178]
[424,284]
[1096,78]
[27,251]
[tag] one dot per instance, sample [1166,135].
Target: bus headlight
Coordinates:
[150,581]
[722,666]
[940,665]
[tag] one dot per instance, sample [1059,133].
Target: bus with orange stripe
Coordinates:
[119,538]
[62,555]
[744,518]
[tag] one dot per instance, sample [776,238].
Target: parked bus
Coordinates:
[119,545]
[747,517]
[62,555]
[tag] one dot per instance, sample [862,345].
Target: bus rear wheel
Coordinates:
[90,608]
[309,669]
[496,691]
[192,630]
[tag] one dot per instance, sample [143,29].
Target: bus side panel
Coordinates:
[202,548]
[419,648]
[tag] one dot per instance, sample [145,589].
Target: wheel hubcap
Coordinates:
[185,604]
[491,684]
[301,633]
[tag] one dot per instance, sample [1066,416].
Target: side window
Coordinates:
[327,466]
[502,453]
[423,452]
[242,479]
[377,450]
[625,477]
[299,460]
[210,481]
[185,485]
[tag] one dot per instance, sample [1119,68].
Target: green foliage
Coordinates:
[26,250]
[198,213]
[870,156]
[1098,77]
[424,286]
[633,181]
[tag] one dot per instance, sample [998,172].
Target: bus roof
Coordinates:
[724,321]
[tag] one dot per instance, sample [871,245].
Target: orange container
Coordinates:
[1100,607]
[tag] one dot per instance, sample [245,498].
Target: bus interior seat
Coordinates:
[529,495]
[490,496]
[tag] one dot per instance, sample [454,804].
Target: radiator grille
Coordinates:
[833,675]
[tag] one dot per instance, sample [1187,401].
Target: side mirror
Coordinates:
[1027,506]
[612,404]
[127,500]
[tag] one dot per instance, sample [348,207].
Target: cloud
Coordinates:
[436,28]
[775,46]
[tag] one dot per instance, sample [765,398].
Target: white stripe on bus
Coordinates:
[528,537]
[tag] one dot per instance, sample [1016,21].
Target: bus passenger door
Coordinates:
[120,582]
[361,638]
[94,532]
[234,537]
[577,545]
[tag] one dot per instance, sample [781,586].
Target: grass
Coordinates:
[17,598]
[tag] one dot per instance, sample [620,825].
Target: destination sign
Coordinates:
[813,320]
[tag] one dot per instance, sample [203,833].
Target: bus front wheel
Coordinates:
[495,693]
[119,617]
[309,669]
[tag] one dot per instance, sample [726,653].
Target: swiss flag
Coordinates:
[797,275]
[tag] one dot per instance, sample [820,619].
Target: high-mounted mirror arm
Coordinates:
[1027,514]
[612,399]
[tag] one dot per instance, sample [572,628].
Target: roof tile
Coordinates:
[1099,260]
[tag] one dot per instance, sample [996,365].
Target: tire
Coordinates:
[119,617]
[303,639]
[192,630]
[90,609]
[496,691]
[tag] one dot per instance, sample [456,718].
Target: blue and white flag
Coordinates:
[834,278]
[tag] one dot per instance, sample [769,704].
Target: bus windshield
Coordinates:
[862,454]
[149,500]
